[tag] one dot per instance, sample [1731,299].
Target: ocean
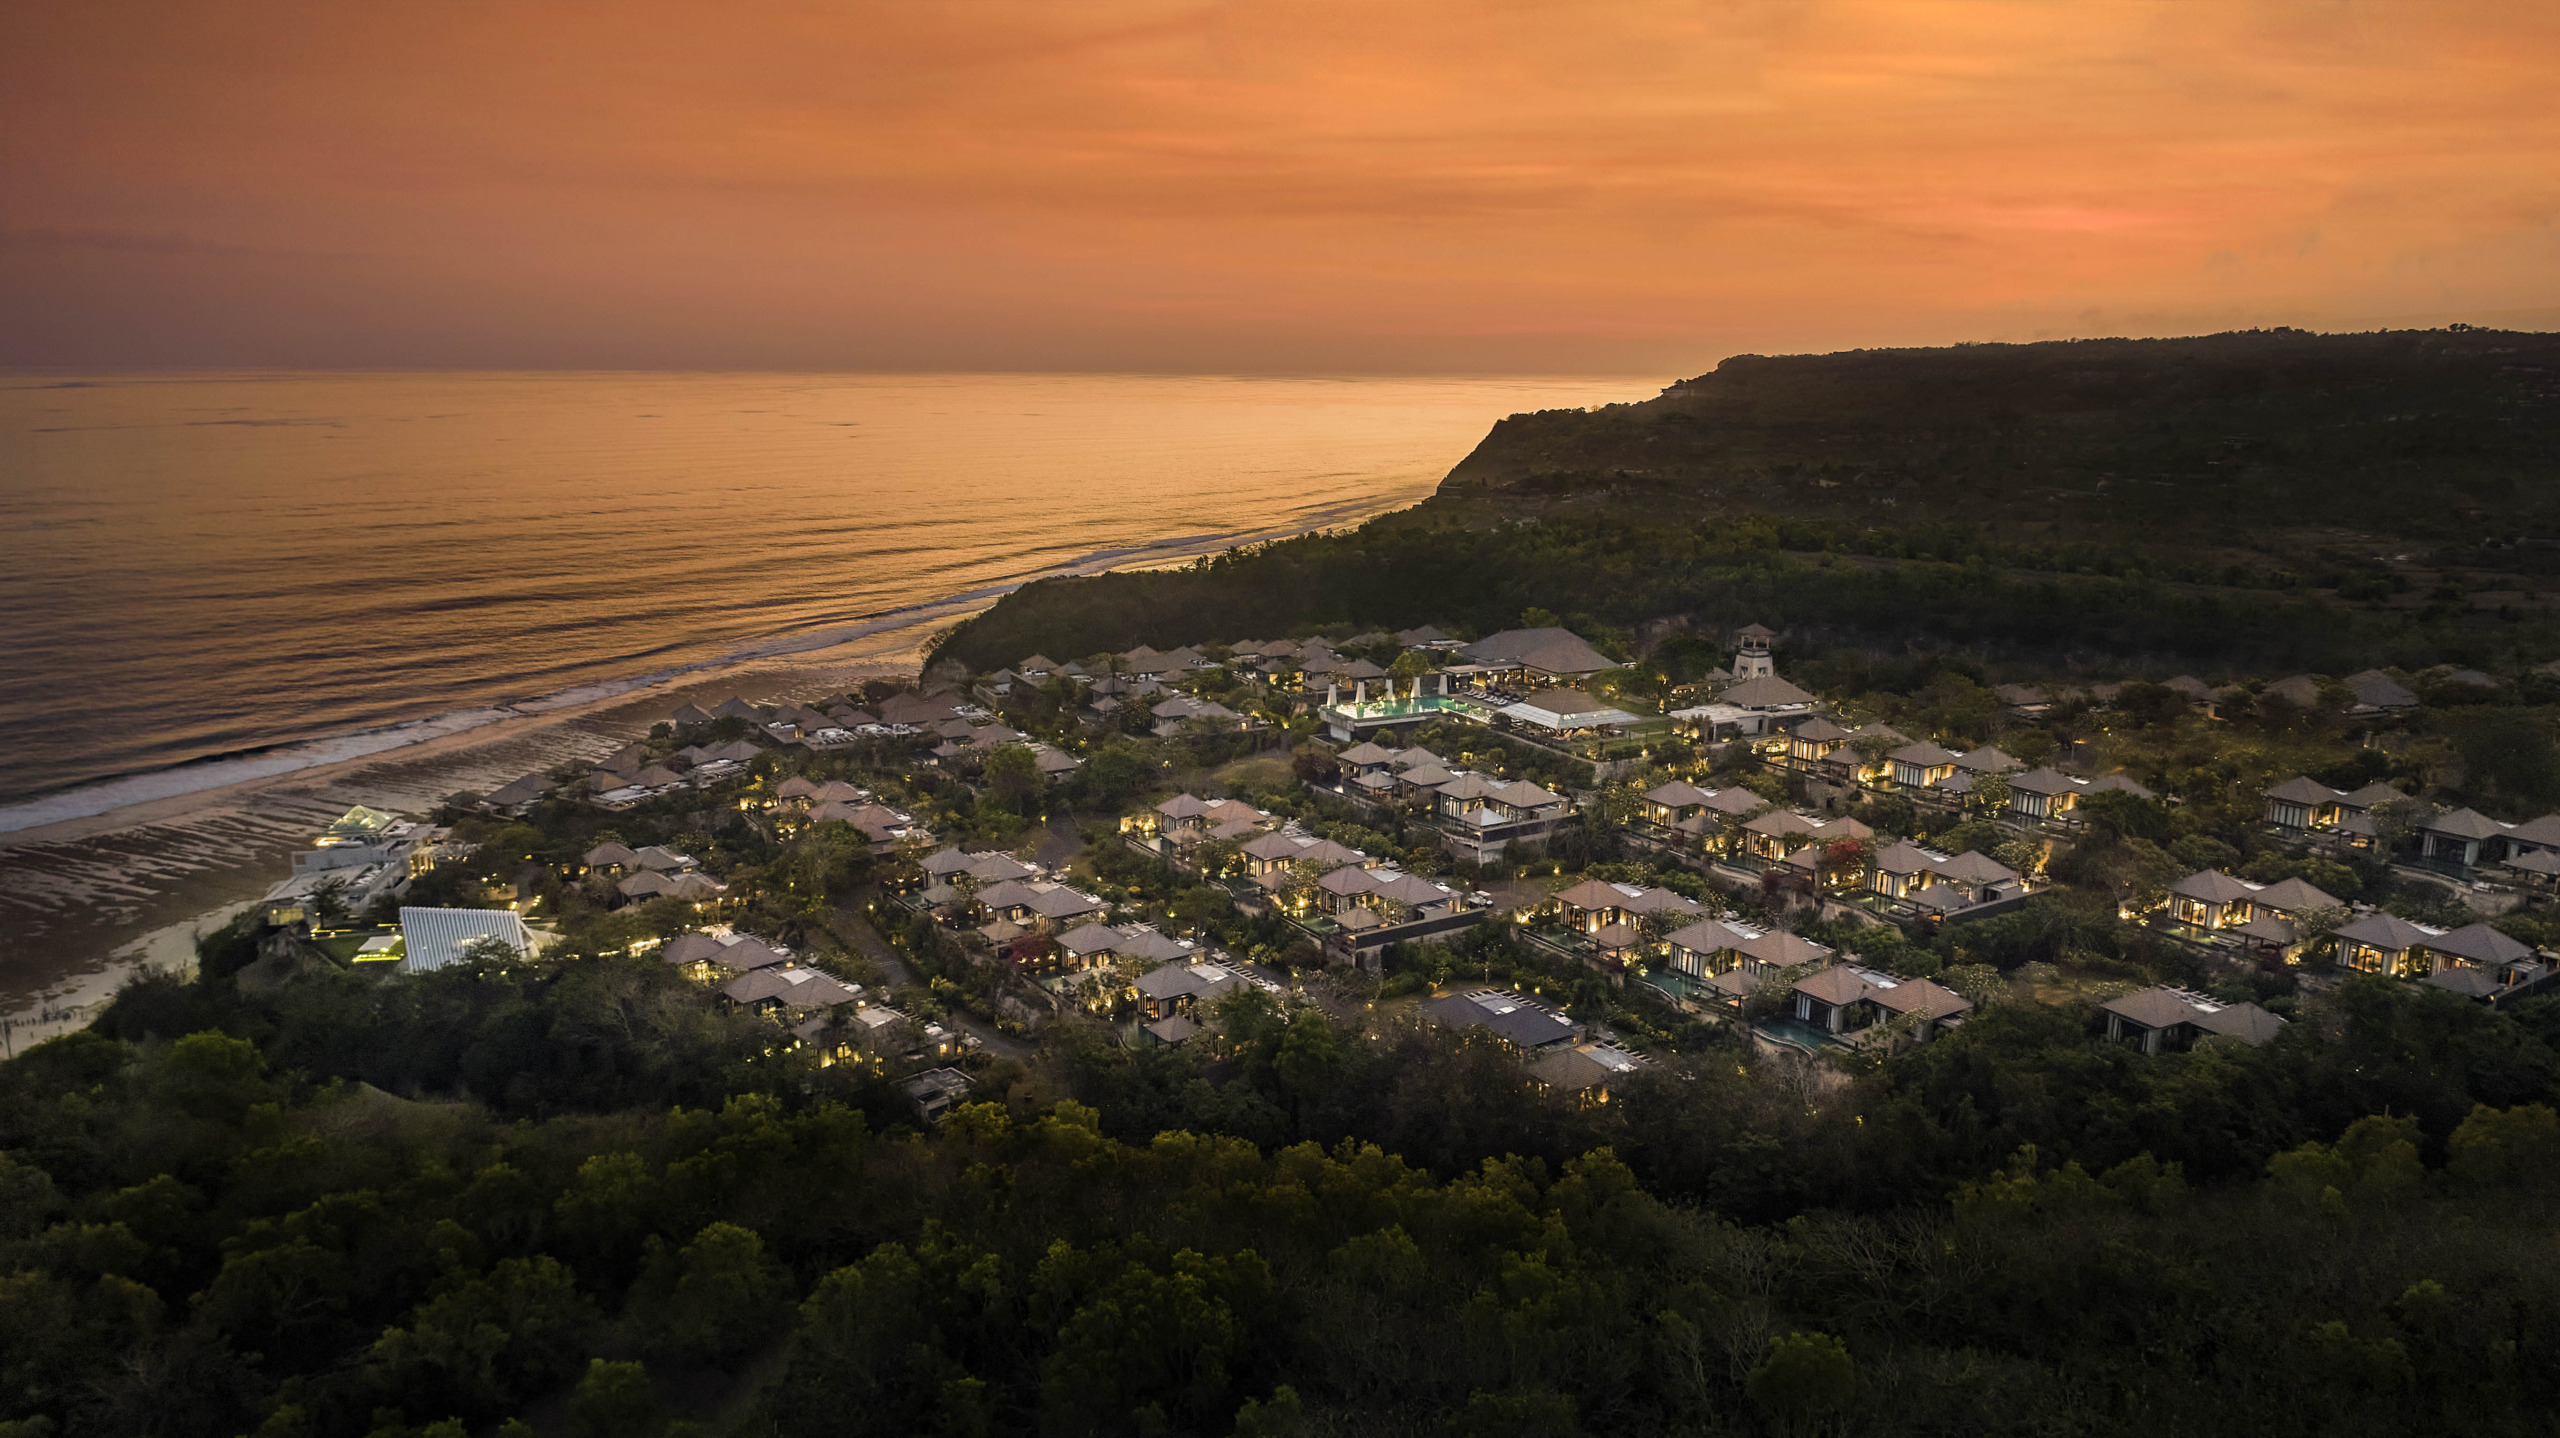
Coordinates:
[218,577]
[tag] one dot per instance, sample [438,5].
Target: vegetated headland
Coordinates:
[2264,499]
[1466,982]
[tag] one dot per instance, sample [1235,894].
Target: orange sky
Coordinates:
[1250,186]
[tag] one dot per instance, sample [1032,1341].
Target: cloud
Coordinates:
[1153,183]
[130,242]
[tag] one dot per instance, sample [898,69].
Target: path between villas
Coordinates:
[856,931]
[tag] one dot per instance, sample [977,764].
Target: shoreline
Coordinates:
[71,1006]
[912,626]
[77,893]
[89,900]
[511,722]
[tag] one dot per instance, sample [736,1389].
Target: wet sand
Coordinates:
[85,902]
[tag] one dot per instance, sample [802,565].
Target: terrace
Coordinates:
[1351,717]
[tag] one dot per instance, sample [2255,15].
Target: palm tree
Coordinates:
[1411,664]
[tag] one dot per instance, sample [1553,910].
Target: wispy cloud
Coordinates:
[136,243]
[1139,183]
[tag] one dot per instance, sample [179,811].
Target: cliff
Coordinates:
[2240,500]
[2250,440]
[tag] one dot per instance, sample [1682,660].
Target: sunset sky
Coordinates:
[1252,186]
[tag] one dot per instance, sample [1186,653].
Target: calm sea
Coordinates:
[210,577]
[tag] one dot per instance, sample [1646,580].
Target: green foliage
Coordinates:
[2509,759]
[1280,1416]
[2327,875]
[1302,1226]
[1625,568]
[27,1198]
[2019,1191]
[1731,499]
[490,1342]
[2203,851]
[2516,1146]
[2374,1163]
[1013,779]
[586,1033]
[715,1299]
[1529,1413]
[2116,813]
[1985,431]
[615,1400]
[1141,1347]
[229,949]
[884,1345]
[1805,1378]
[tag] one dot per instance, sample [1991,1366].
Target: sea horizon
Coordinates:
[309,566]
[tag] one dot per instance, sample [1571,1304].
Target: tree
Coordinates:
[1216,857]
[1621,803]
[1301,889]
[1144,1351]
[1978,983]
[881,1344]
[1310,1059]
[1990,795]
[2507,753]
[1411,664]
[2203,851]
[2396,822]
[1314,766]
[2149,705]
[2505,1146]
[615,1400]
[1873,747]
[1530,1413]
[1014,781]
[485,1345]
[608,1204]
[1980,835]
[2146,872]
[712,1300]
[1110,779]
[329,904]
[27,1198]
[1199,906]
[1847,856]
[1282,1416]
[486,954]
[2024,855]
[818,860]
[1653,677]
[2312,929]
[1806,1378]
[2034,747]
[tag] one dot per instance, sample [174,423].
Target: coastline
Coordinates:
[93,874]
[900,635]
[86,901]
[82,897]
[72,1004]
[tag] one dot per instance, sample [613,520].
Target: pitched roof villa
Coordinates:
[1556,653]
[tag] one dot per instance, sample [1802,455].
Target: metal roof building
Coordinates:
[437,937]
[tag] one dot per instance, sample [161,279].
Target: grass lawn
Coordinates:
[342,947]
[1260,772]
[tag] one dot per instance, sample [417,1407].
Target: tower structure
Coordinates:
[1751,653]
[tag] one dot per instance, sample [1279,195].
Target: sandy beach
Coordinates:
[84,902]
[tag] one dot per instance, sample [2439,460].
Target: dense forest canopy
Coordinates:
[1937,591]
[2274,500]
[220,1230]
[2226,442]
